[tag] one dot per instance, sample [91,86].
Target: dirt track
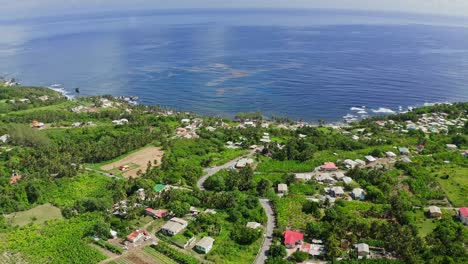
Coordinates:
[139,158]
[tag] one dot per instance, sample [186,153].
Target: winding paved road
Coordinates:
[262,254]
[213,170]
[265,203]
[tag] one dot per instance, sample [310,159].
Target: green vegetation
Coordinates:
[36,215]
[454,182]
[57,209]
[58,242]
[174,254]
[112,248]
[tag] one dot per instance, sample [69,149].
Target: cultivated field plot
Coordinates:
[36,215]
[143,256]
[136,161]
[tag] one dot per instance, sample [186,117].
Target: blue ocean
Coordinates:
[304,64]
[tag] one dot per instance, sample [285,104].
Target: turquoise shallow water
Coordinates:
[304,64]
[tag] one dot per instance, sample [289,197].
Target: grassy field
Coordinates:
[424,223]
[225,250]
[226,156]
[36,215]
[83,186]
[289,212]
[455,186]
[273,177]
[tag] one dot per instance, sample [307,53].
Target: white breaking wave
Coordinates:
[358,108]
[383,110]
[57,88]
[362,112]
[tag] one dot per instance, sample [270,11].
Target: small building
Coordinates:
[37,124]
[159,187]
[160,213]
[4,138]
[463,215]
[316,250]
[465,153]
[360,162]
[242,163]
[124,167]
[253,225]
[435,212]
[326,179]
[328,166]
[390,154]
[338,175]
[404,151]
[15,177]
[303,176]
[406,160]
[292,238]
[362,250]
[174,226]
[209,211]
[337,191]
[369,159]
[358,194]
[347,180]
[120,122]
[205,245]
[451,146]
[282,188]
[194,211]
[135,236]
[305,248]
[350,163]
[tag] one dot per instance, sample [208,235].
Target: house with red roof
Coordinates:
[292,238]
[305,248]
[14,178]
[328,166]
[160,213]
[135,236]
[463,215]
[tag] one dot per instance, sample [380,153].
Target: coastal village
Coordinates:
[167,186]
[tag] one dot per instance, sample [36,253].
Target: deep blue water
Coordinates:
[303,64]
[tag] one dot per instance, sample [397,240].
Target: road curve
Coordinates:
[213,170]
[262,254]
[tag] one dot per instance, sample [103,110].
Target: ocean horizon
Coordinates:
[303,64]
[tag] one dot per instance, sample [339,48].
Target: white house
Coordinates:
[337,191]
[350,163]
[451,146]
[253,225]
[282,188]
[390,154]
[205,245]
[358,194]
[404,151]
[435,212]
[4,138]
[370,159]
[174,226]
[347,180]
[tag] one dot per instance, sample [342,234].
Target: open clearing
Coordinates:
[36,215]
[137,161]
[456,186]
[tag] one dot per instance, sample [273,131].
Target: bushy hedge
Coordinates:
[174,254]
[109,246]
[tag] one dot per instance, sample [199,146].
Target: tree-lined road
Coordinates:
[262,254]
